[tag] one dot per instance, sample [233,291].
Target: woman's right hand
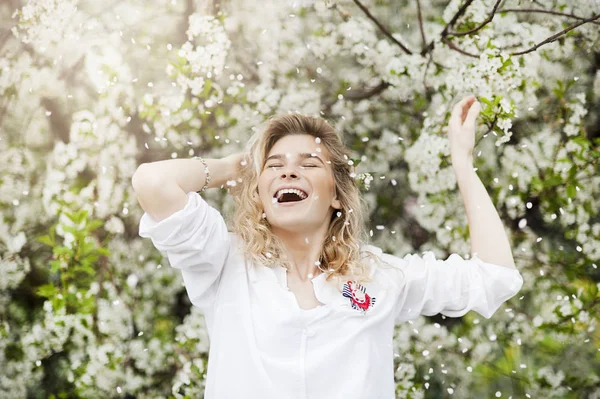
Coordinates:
[235,163]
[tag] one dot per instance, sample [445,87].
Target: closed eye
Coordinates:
[306,166]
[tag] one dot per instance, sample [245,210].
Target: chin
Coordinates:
[288,222]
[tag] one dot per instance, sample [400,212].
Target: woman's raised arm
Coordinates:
[161,187]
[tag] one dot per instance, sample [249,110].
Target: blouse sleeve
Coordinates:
[197,242]
[453,287]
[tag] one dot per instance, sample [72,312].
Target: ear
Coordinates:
[335,203]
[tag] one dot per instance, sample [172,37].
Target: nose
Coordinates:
[291,174]
[288,171]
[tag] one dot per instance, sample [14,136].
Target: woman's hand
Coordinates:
[461,129]
[235,163]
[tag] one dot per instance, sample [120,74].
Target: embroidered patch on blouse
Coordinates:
[359,298]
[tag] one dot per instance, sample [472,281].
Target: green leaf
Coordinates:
[537,184]
[94,224]
[72,230]
[46,240]
[61,250]
[103,251]
[207,87]
[46,290]
[55,266]
[582,141]
[86,269]
[550,344]
[485,101]
[78,216]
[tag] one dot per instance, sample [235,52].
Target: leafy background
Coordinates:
[89,90]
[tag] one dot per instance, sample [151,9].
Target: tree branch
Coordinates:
[5,36]
[181,35]
[58,120]
[539,10]
[426,70]
[557,35]
[381,27]
[455,48]
[421,23]
[484,23]
[358,95]
[444,33]
[456,16]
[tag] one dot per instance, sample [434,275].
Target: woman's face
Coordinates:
[298,161]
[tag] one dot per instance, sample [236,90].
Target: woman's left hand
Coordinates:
[461,128]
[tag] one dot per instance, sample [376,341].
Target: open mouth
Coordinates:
[289,196]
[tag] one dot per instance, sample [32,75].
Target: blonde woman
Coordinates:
[296,303]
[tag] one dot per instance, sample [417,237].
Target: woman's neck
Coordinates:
[304,251]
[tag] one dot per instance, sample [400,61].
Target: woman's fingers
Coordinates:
[456,116]
[472,114]
[462,110]
[466,105]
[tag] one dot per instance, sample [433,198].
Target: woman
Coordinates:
[296,306]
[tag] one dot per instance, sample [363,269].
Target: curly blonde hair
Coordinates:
[340,255]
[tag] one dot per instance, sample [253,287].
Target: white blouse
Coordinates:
[263,345]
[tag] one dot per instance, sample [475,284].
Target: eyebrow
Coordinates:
[302,155]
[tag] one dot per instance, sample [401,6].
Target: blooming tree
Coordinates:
[89,90]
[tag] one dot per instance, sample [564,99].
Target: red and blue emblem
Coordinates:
[359,299]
